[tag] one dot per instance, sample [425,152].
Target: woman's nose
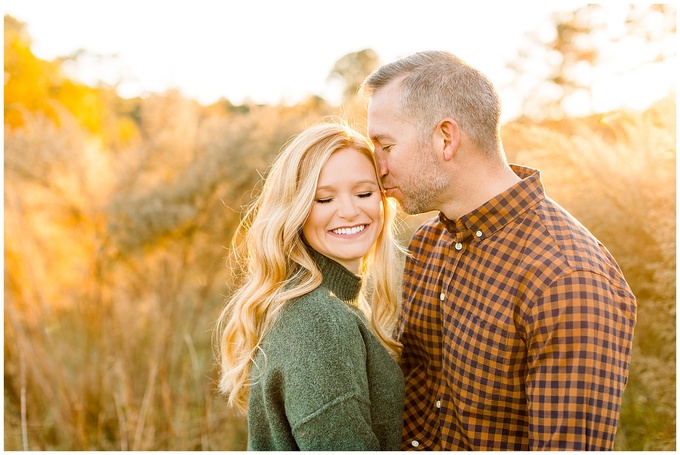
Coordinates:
[348,207]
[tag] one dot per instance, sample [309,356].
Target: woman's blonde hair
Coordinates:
[276,267]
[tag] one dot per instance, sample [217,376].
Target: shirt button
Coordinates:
[442,296]
[415,443]
[459,246]
[439,404]
[478,233]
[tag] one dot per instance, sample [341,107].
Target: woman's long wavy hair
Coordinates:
[273,263]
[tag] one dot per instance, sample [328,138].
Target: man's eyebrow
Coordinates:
[380,137]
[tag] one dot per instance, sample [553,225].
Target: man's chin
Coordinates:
[405,207]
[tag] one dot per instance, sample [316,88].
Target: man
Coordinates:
[517,323]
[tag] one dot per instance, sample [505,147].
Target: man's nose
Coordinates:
[382,165]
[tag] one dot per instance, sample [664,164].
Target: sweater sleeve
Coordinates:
[321,361]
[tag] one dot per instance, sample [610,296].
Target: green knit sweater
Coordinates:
[322,380]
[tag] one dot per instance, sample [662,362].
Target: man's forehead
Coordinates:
[383,125]
[375,130]
[380,111]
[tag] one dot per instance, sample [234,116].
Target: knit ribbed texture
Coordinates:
[322,380]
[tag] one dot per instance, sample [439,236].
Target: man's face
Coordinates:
[408,166]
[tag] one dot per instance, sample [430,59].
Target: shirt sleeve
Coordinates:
[579,343]
[325,382]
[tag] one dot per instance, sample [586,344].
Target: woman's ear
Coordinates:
[447,138]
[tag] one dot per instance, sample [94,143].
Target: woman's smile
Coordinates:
[349,232]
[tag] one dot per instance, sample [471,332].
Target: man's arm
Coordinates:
[579,345]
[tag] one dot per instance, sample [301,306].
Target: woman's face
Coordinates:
[346,217]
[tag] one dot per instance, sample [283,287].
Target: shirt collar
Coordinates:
[494,214]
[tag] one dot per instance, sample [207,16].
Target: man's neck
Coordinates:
[475,186]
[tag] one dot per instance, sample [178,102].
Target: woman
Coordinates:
[302,349]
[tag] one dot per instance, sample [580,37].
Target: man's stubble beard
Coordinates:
[425,185]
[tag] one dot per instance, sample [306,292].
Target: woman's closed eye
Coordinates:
[366,194]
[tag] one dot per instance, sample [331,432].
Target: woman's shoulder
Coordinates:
[319,303]
[318,307]
[317,317]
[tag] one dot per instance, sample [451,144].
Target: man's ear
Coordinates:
[447,138]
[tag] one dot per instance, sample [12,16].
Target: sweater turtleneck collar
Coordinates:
[343,283]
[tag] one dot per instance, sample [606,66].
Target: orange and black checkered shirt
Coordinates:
[517,329]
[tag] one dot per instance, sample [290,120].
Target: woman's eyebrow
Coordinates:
[357,183]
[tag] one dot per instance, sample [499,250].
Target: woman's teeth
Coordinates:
[349,231]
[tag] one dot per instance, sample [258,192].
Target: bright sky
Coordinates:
[282,50]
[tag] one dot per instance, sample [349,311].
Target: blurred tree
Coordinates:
[560,64]
[352,69]
[33,85]
[28,80]
[225,107]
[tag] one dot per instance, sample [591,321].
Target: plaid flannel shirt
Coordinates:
[517,329]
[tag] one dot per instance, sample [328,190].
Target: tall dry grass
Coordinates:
[115,271]
[115,275]
[105,348]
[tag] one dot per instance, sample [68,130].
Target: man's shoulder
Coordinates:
[567,237]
